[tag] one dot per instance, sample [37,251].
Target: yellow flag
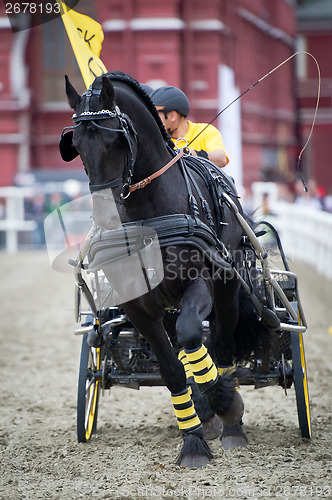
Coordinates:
[86,37]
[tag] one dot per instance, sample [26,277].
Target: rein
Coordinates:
[144,182]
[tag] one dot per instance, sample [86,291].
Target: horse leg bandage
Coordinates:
[186,365]
[203,368]
[185,413]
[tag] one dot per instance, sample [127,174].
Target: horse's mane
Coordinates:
[119,76]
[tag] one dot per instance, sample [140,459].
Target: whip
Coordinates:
[259,81]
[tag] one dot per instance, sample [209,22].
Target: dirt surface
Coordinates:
[134,452]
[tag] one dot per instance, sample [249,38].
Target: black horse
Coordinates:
[121,141]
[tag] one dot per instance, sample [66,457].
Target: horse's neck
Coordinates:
[167,194]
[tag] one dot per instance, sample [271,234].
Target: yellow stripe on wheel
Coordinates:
[305,381]
[92,398]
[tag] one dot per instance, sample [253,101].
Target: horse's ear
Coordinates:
[106,97]
[73,97]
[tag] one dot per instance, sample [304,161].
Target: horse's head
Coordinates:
[121,140]
[103,136]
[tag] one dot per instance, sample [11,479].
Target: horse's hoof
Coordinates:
[235,412]
[194,462]
[195,451]
[230,442]
[212,428]
[233,437]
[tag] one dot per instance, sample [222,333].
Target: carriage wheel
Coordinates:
[88,392]
[301,384]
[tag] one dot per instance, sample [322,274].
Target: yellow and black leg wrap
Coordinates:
[188,420]
[203,368]
[186,365]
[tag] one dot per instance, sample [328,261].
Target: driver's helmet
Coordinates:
[170,99]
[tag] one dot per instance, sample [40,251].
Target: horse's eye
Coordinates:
[112,141]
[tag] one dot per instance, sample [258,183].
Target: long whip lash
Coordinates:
[259,81]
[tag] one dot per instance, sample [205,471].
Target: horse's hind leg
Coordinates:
[223,347]
[219,389]
[195,451]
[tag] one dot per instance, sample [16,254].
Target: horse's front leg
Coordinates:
[211,423]
[219,388]
[195,451]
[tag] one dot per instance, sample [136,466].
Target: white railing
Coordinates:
[306,233]
[13,221]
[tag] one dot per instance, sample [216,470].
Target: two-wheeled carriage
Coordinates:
[127,360]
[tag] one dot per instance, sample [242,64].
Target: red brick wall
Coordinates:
[181,54]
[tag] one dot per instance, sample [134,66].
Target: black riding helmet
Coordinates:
[170,99]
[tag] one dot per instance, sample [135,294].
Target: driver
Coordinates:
[173,107]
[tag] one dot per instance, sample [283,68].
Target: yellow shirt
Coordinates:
[209,140]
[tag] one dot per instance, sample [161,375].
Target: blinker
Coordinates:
[67,149]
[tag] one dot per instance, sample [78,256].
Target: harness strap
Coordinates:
[205,206]
[147,180]
[192,200]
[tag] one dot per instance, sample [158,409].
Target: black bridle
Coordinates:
[127,128]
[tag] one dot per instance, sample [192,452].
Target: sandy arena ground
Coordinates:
[134,452]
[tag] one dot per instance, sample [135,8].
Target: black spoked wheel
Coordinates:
[88,391]
[301,384]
